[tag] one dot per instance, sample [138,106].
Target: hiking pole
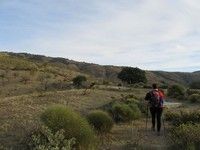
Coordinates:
[147,117]
[163,120]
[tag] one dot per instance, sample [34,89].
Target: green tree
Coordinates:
[78,80]
[132,75]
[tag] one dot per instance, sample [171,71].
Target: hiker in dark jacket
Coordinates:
[155,100]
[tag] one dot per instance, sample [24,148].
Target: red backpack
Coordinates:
[155,99]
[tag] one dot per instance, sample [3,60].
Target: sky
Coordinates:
[149,34]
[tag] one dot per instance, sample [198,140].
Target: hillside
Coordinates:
[67,69]
[29,84]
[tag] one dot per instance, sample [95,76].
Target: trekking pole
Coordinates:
[147,117]
[163,120]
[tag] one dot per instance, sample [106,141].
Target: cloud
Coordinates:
[158,35]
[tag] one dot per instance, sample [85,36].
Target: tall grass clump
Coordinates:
[101,121]
[60,117]
[185,137]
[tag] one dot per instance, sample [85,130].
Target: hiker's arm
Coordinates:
[147,97]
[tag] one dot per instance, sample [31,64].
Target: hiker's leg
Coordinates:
[159,114]
[153,116]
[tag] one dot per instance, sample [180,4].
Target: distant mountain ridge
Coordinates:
[109,72]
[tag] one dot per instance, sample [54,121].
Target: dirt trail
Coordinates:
[130,136]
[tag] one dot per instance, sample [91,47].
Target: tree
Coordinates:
[132,75]
[78,80]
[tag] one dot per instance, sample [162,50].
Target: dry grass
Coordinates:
[19,113]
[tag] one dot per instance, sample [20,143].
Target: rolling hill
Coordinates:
[67,69]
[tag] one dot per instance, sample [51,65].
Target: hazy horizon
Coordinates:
[151,35]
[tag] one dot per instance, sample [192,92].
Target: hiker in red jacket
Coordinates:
[155,99]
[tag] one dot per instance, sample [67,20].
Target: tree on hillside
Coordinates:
[132,75]
[78,80]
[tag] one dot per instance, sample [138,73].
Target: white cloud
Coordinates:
[149,34]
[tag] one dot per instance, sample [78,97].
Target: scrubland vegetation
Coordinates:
[55,103]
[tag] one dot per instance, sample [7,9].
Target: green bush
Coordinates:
[176,91]
[136,111]
[194,98]
[42,138]
[101,121]
[60,117]
[78,80]
[185,136]
[181,117]
[124,112]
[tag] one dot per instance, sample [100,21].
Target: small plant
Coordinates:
[101,121]
[194,98]
[43,138]
[60,117]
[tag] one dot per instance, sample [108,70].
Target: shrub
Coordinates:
[60,117]
[176,91]
[101,121]
[178,118]
[123,113]
[171,116]
[185,136]
[194,98]
[78,80]
[42,138]
[136,111]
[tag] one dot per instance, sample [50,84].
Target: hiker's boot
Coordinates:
[158,133]
[153,129]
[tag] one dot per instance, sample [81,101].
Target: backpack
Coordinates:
[155,98]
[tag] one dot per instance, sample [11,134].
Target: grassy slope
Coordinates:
[96,71]
[21,103]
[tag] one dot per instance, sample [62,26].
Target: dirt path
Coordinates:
[129,136]
[132,135]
